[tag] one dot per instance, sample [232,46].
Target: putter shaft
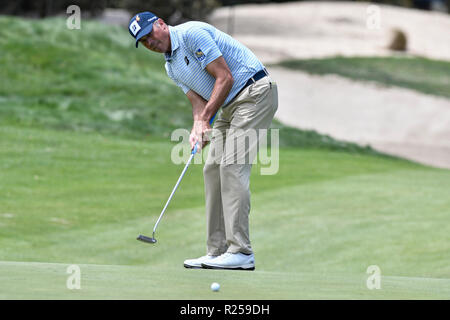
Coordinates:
[174,189]
[193,152]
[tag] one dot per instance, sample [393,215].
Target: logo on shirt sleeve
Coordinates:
[200,55]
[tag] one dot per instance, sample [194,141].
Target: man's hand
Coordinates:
[200,133]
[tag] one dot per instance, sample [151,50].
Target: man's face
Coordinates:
[159,39]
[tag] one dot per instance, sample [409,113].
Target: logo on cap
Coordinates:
[134,28]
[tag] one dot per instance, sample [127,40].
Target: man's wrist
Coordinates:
[203,117]
[206,114]
[200,119]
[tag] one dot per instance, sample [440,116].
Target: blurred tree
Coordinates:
[419,4]
[174,11]
[18,7]
[235,2]
[115,4]
[44,8]
[422,4]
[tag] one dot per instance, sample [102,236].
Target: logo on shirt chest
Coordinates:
[200,55]
[186,60]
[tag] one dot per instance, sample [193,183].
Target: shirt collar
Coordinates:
[173,41]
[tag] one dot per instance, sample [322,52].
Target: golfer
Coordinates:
[218,75]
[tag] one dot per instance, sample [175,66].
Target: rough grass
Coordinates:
[416,73]
[95,80]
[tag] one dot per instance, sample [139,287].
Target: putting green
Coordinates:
[316,226]
[49,281]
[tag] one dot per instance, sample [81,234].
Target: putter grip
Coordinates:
[194,151]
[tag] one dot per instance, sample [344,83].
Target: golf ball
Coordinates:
[215,286]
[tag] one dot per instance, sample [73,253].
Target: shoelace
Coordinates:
[225,255]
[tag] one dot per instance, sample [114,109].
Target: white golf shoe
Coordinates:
[197,263]
[231,261]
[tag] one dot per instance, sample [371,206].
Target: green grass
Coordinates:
[85,167]
[95,80]
[416,73]
[82,198]
[48,281]
[91,79]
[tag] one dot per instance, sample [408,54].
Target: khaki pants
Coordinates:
[227,169]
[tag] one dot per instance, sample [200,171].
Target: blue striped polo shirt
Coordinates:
[196,44]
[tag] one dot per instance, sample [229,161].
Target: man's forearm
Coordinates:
[197,110]
[220,92]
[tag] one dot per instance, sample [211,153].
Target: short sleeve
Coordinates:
[202,46]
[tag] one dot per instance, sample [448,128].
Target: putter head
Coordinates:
[146,239]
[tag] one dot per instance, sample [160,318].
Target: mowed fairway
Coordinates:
[82,198]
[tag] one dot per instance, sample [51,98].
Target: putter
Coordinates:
[153,239]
